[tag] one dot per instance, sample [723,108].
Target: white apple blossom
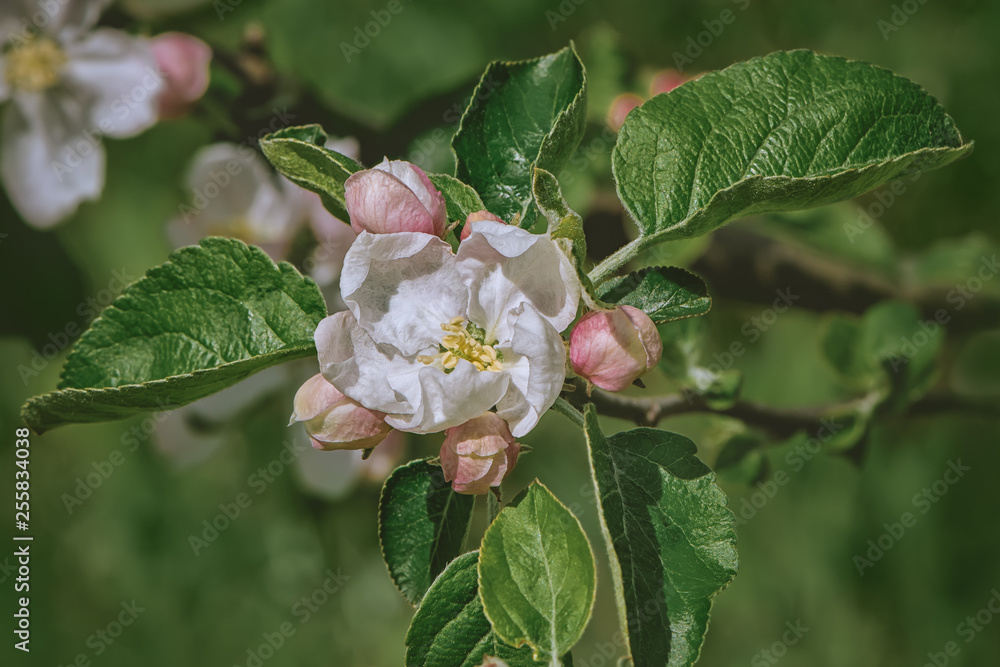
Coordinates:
[434,339]
[67,86]
[235,193]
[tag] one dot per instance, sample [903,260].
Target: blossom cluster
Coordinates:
[469,341]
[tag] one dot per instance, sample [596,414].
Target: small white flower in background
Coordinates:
[434,339]
[66,86]
[234,193]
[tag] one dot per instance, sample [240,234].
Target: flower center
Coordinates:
[34,65]
[464,343]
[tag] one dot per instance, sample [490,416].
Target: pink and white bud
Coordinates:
[613,348]
[183,60]
[334,421]
[666,81]
[620,107]
[394,197]
[476,217]
[478,454]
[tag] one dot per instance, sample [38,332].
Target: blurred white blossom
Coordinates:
[67,86]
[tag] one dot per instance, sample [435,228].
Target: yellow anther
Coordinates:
[460,344]
[35,64]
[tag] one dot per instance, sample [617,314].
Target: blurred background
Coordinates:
[123,513]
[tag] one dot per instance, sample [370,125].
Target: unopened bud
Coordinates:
[666,81]
[183,60]
[333,420]
[612,348]
[620,107]
[476,217]
[394,197]
[478,454]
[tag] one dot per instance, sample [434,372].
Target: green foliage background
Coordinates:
[129,540]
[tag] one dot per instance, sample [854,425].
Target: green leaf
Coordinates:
[422,526]
[450,628]
[890,341]
[665,293]
[536,574]
[210,316]
[671,539]
[564,222]
[790,130]
[459,198]
[299,154]
[522,115]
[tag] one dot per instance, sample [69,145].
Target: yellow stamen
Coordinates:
[35,64]
[460,344]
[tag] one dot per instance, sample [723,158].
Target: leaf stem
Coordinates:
[618,259]
[567,409]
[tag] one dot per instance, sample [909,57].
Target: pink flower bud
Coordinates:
[666,81]
[476,217]
[183,61]
[478,454]
[612,348]
[395,197]
[334,421]
[620,108]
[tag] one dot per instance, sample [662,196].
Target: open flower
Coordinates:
[478,454]
[68,87]
[234,193]
[434,339]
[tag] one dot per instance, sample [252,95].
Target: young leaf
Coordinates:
[522,115]
[460,199]
[790,130]
[450,628]
[665,293]
[536,574]
[210,316]
[422,525]
[300,155]
[564,222]
[671,539]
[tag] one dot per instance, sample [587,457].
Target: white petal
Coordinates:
[536,363]
[441,400]
[402,287]
[70,18]
[48,164]
[117,74]
[353,364]
[506,266]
